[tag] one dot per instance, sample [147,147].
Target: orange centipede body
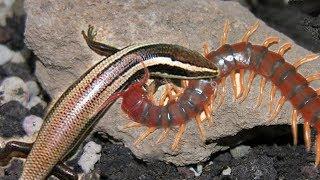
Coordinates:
[230,59]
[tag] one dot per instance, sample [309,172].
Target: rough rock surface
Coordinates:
[53,32]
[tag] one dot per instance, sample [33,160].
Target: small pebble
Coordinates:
[33,87]
[32,124]
[5,54]
[91,155]
[197,172]
[17,58]
[5,11]
[35,100]
[226,172]
[14,89]
[240,151]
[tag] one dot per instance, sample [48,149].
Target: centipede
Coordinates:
[196,97]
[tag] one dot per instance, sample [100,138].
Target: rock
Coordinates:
[240,151]
[54,35]
[17,58]
[33,87]
[20,70]
[37,110]
[14,170]
[14,89]
[118,162]
[35,100]
[261,168]
[197,171]
[32,124]
[186,173]
[91,154]
[11,116]
[5,11]
[226,172]
[5,54]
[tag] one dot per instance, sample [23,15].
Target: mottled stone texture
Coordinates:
[53,32]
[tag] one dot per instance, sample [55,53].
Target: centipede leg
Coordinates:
[284,48]
[306,59]
[317,150]
[272,94]
[132,124]
[223,92]
[278,108]
[200,128]
[269,41]
[263,81]
[208,111]
[241,74]
[313,77]
[205,49]
[294,127]
[184,83]
[151,89]
[249,32]
[144,135]
[226,30]
[166,94]
[248,87]
[178,136]
[163,135]
[234,85]
[178,91]
[307,135]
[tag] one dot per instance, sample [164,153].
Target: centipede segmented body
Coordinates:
[197,97]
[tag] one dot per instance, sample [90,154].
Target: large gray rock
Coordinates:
[53,32]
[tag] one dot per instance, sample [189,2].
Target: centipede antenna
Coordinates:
[144,135]
[307,135]
[278,108]
[241,83]
[306,59]
[294,127]
[226,30]
[223,92]
[200,128]
[250,31]
[284,48]
[178,136]
[263,82]
[313,77]
[163,135]
[234,84]
[252,75]
[269,41]
[317,150]
[272,94]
